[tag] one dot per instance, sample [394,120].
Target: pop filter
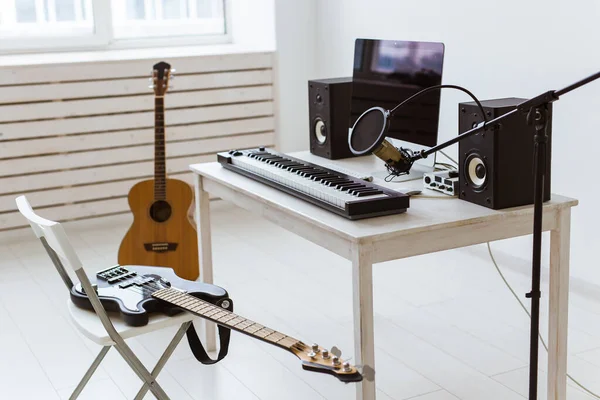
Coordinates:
[369,131]
[368,136]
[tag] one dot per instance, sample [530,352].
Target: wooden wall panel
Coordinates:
[76,137]
[49,145]
[131,86]
[86,107]
[111,122]
[30,165]
[119,69]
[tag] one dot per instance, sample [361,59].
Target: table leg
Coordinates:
[205,252]
[364,345]
[559,307]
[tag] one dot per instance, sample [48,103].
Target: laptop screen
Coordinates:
[386,72]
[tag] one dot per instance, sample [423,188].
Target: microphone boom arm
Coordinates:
[525,107]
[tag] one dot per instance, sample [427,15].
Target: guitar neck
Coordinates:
[228,319]
[160,174]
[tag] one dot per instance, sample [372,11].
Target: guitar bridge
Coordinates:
[160,247]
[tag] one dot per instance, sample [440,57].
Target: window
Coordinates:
[27,25]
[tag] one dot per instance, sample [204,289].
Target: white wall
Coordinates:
[496,49]
[295,28]
[253,23]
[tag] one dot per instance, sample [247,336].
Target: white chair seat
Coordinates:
[88,323]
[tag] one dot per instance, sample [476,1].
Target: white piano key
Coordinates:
[292,180]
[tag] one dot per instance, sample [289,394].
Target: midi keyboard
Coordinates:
[348,196]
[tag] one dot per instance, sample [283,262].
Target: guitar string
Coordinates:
[139,280]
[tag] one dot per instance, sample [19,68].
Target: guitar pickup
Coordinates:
[160,247]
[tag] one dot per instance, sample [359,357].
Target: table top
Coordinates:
[425,213]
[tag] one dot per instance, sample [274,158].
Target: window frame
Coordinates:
[103,38]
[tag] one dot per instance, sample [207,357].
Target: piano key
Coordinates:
[317,182]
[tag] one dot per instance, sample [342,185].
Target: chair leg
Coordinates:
[165,357]
[89,372]
[140,370]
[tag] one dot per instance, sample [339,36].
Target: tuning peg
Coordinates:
[173,70]
[325,354]
[346,367]
[336,352]
[336,361]
[315,351]
[151,87]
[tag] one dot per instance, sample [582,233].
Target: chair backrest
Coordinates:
[55,240]
[52,231]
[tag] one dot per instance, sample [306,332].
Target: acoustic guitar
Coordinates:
[162,233]
[136,291]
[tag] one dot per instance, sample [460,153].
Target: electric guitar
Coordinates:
[162,233]
[136,291]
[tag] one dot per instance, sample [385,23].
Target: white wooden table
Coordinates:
[430,225]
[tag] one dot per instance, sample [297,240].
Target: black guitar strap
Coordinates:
[198,349]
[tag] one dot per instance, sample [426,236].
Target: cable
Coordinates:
[529,314]
[447,167]
[422,92]
[448,157]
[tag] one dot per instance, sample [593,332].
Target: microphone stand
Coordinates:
[536,110]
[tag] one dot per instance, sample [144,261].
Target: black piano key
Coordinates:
[362,190]
[371,193]
[349,186]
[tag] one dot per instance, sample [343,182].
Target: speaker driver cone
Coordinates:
[320,131]
[476,171]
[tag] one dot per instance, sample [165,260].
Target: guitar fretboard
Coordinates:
[160,174]
[226,318]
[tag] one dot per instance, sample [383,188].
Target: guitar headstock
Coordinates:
[161,74]
[318,359]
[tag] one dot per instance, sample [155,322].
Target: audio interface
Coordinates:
[442,181]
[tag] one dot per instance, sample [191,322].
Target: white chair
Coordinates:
[98,326]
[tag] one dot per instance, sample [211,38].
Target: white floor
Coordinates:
[446,327]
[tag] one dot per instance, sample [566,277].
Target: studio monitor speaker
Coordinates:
[496,166]
[329,112]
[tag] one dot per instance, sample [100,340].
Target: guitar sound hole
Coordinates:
[160,211]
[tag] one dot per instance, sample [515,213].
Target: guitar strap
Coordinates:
[198,349]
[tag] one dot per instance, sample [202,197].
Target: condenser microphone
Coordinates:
[368,136]
[369,131]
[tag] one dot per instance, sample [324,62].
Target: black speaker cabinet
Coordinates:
[329,112]
[496,167]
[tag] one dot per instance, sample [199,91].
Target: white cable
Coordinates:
[424,196]
[529,314]
[448,157]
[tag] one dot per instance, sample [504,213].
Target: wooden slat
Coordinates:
[77,194]
[21,130]
[119,155]
[115,105]
[120,87]
[76,136]
[63,144]
[68,212]
[134,68]
[18,185]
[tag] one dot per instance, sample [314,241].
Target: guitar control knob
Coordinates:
[335,361]
[346,367]
[325,354]
[315,348]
